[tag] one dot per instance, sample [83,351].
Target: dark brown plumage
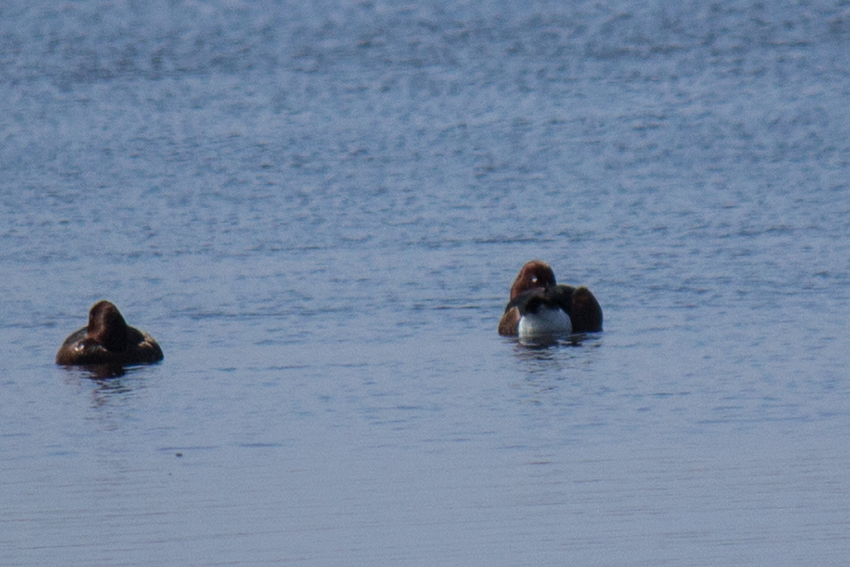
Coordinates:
[108,340]
[535,285]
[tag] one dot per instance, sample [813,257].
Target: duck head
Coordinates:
[107,326]
[534,274]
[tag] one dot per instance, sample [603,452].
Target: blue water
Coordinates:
[318,208]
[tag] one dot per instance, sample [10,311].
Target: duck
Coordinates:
[108,340]
[540,307]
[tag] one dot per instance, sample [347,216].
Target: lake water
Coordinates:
[317,208]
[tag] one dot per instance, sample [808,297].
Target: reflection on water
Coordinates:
[542,355]
[546,342]
[104,372]
[106,383]
[107,388]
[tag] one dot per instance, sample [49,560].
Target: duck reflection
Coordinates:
[104,372]
[108,389]
[543,355]
[108,383]
[545,342]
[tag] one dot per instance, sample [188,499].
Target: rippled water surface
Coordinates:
[318,209]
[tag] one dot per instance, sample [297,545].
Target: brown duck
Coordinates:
[538,306]
[108,340]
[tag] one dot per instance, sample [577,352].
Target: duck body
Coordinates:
[540,307]
[108,340]
[542,316]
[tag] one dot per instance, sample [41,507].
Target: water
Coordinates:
[318,209]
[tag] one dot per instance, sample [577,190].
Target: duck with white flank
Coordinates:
[540,308]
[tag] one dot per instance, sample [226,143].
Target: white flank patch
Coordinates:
[548,321]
